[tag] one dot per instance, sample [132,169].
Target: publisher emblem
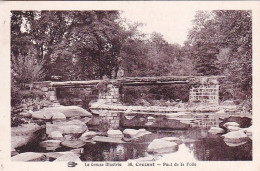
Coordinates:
[72,164]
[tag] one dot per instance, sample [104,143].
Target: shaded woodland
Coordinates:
[87,45]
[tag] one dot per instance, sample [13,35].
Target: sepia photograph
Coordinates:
[128,85]
[103,85]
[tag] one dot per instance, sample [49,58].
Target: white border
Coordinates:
[6,7]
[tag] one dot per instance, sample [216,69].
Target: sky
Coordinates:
[172,24]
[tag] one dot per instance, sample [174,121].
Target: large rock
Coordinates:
[231,124]
[56,155]
[50,143]
[87,135]
[26,114]
[58,116]
[134,133]
[244,122]
[233,128]
[43,114]
[68,157]
[68,111]
[25,134]
[235,137]
[115,134]
[216,130]
[70,127]
[56,135]
[162,146]
[28,156]
[235,144]
[172,139]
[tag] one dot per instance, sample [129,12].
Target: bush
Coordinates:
[17,95]
[16,121]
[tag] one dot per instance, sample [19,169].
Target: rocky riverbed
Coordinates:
[66,135]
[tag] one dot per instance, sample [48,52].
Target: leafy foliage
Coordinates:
[230,33]
[86,45]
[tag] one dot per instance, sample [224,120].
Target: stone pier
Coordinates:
[110,95]
[206,91]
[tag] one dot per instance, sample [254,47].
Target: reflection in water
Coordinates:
[198,145]
[216,149]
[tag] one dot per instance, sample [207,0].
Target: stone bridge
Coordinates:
[203,89]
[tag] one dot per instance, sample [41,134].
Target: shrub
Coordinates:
[17,95]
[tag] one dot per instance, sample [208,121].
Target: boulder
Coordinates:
[73,143]
[235,137]
[115,134]
[162,146]
[68,111]
[244,122]
[26,114]
[134,133]
[235,144]
[50,143]
[173,139]
[56,155]
[70,127]
[130,133]
[68,157]
[56,135]
[233,128]
[58,116]
[231,124]
[216,130]
[28,156]
[87,135]
[42,114]
[25,134]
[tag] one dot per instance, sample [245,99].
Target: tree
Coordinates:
[230,32]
